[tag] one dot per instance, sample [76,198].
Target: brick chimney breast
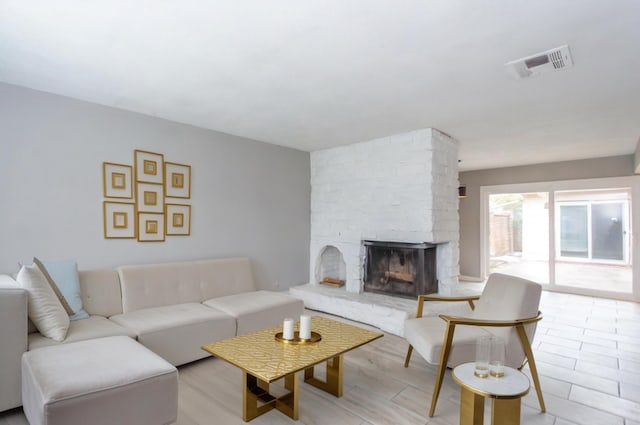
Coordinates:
[400,188]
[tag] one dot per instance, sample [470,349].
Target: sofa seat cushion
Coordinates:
[83,329]
[177,332]
[258,309]
[101,381]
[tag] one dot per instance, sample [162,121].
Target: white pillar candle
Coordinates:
[305,327]
[287,329]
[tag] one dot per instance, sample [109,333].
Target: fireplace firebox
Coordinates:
[400,269]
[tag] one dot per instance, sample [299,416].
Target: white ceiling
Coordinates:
[315,74]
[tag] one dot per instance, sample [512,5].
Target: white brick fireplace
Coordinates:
[401,188]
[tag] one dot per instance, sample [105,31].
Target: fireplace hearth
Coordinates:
[400,269]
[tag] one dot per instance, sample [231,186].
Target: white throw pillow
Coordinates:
[45,310]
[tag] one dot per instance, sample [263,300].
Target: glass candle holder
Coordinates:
[483,353]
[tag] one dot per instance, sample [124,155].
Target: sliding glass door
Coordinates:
[592,239]
[574,236]
[594,230]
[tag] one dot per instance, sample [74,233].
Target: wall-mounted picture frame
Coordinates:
[116,180]
[178,219]
[151,227]
[177,180]
[149,166]
[149,197]
[119,220]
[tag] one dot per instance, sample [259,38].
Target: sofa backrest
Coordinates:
[155,285]
[100,290]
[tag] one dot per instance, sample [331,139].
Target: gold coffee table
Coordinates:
[264,360]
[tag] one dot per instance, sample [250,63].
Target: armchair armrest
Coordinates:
[438,297]
[456,320]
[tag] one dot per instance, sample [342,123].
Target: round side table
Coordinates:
[505,394]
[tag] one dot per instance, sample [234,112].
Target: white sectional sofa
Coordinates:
[172,309]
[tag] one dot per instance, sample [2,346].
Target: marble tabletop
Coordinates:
[512,385]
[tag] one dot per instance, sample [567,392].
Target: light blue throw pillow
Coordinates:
[65,274]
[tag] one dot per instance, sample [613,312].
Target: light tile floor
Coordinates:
[587,350]
[588,355]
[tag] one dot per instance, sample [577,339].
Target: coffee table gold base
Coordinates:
[333,379]
[256,399]
[504,411]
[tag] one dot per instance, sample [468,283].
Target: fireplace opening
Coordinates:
[400,269]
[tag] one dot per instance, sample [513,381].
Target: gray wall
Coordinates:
[248,198]
[470,240]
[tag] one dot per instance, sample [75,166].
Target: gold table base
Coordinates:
[504,411]
[256,399]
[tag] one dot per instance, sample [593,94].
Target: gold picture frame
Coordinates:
[177,179]
[116,180]
[149,197]
[151,227]
[149,166]
[178,219]
[119,220]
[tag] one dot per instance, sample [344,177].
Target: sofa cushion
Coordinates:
[258,309]
[45,310]
[63,274]
[80,330]
[101,292]
[176,332]
[156,285]
[103,381]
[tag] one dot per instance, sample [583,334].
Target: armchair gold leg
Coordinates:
[526,346]
[408,357]
[442,367]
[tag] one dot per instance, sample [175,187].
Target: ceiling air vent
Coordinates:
[551,60]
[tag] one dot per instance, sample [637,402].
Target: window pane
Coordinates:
[574,236]
[607,231]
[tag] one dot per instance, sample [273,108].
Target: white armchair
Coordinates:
[507,308]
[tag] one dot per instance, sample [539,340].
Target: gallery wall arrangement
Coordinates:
[147,200]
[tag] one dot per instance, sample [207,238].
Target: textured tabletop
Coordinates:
[259,354]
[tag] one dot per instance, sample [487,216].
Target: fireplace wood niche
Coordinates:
[400,269]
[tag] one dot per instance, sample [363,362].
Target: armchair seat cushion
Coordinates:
[425,335]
